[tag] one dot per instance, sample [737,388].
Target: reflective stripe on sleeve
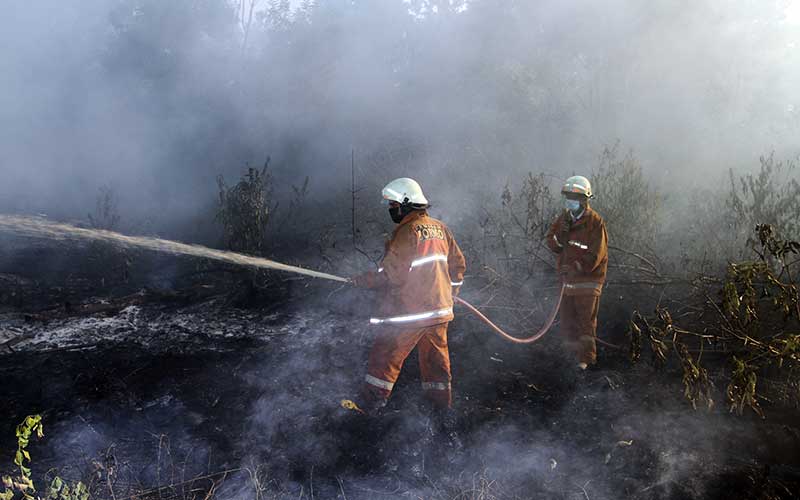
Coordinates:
[456,283]
[430,258]
[436,386]
[578,244]
[412,317]
[383,384]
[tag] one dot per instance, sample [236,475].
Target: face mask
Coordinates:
[397,214]
[573,206]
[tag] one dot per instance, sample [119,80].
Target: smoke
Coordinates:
[157,99]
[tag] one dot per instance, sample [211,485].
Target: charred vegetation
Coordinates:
[698,348]
[169,375]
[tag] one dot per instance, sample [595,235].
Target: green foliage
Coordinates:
[754,324]
[245,209]
[23,483]
[697,386]
[741,391]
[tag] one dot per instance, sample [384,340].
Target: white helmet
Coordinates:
[578,184]
[404,190]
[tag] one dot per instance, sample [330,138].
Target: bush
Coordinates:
[771,196]
[749,320]
[245,210]
[625,200]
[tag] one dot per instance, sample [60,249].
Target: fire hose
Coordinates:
[499,331]
[528,340]
[474,310]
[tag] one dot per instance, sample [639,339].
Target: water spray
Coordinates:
[37,227]
[41,228]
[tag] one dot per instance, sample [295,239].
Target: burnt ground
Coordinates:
[170,400]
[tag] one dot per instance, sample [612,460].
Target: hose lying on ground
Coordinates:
[38,227]
[528,340]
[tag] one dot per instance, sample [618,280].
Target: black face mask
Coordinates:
[399,213]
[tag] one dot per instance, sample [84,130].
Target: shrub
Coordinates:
[245,209]
[630,207]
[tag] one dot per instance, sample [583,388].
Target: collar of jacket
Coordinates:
[585,216]
[416,214]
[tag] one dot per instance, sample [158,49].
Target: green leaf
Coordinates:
[26,455]
[82,491]
[55,487]
[18,458]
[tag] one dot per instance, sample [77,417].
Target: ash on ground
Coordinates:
[171,401]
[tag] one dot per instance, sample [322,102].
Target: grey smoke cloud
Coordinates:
[157,99]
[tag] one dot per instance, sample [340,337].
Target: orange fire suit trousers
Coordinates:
[579,326]
[391,348]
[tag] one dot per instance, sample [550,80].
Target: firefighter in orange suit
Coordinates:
[422,269]
[579,238]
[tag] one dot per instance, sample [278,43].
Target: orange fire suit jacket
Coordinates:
[582,248]
[421,269]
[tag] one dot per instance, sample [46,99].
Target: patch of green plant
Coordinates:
[753,324]
[22,485]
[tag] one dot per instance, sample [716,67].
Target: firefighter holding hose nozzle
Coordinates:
[422,269]
[578,237]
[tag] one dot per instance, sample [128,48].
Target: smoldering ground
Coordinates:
[185,398]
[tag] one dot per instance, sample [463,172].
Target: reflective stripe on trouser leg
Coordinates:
[434,365]
[381,384]
[587,288]
[389,350]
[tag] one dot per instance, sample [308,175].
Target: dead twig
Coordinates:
[583,488]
